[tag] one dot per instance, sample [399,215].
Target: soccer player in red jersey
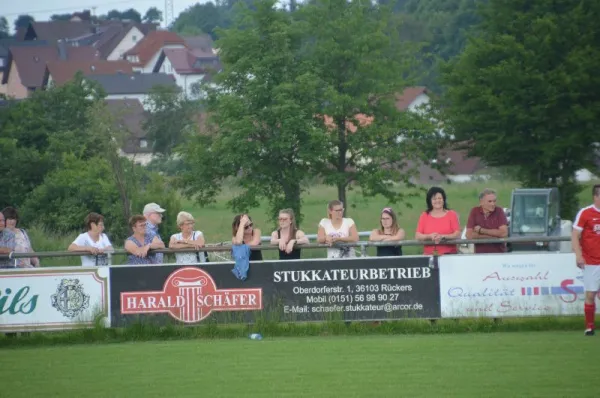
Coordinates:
[586,245]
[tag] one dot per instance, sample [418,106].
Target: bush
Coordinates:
[69,193]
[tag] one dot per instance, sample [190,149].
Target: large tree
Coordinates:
[362,65]
[171,118]
[525,91]
[4,28]
[261,129]
[153,15]
[38,131]
[23,21]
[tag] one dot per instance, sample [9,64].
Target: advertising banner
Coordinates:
[510,285]
[53,299]
[303,290]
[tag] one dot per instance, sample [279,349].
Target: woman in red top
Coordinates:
[438,223]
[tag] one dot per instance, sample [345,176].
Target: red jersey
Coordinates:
[588,222]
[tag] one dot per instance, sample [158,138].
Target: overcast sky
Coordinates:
[42,9]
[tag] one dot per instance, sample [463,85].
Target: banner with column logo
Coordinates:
[53,298]
[371,288]
[510,285]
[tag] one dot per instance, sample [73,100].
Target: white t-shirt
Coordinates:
[85,239]
[342,232]
[189,258]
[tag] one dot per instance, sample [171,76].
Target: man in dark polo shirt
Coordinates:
[487,221]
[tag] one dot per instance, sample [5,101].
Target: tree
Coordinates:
[170,119]
[261,129]
[362,65]
[43,128]
[206,16]
[61,17]
[524,93]
[23,21]
[153,15]
[130,14]
[443,25]
[4,28]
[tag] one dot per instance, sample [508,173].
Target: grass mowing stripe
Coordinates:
[548,364]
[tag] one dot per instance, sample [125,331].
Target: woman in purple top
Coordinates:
[138,244]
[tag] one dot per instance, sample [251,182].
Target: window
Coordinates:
[529,214]
[1,62]
[134,38]
[143,144]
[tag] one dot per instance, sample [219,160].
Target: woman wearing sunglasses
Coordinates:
[244,233]
[288,236]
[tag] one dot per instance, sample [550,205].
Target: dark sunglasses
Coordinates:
[248,226]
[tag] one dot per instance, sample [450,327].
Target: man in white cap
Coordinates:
[153,214]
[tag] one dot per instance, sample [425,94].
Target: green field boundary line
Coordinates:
[211,330]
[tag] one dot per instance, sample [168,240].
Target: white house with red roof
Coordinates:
[189,67]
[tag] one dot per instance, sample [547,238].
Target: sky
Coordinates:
[42,9]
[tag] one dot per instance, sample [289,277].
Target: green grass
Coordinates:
[545,364]
[215,219]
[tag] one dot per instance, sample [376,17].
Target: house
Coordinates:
[111,38]
[52,31]
[5,45]
[130,116]
[412,98]
[202,43]
[189,67]
[116,38]
[145,54]
[60,72]
[27,65]
[132,86]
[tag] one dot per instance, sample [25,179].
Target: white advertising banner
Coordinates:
[510,285]
[53,299]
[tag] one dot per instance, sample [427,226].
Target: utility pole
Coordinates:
[169,14]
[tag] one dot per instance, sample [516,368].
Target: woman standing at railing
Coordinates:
[22,241]
[438,223]
[94,241]
[244,233]
[138,244]
[336,228]
[187,239]
[388,231]
[288,235]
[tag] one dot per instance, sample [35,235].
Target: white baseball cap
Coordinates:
[153,208]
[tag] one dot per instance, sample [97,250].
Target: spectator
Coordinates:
[244,233]
[94,241]
[7,243]
[388,231]
[22,241]
[438,223]
[288,236]
[138,244]
[187,239]
[335,228]
[154,216]
[487,221]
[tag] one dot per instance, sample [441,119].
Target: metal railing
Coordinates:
[224,247]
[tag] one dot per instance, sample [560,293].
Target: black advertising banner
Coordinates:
[369,288]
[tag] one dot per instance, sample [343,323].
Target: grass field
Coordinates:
[531,364]
[215,220]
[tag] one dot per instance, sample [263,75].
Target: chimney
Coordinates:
[62,49]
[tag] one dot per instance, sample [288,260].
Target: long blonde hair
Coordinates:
[293,227]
